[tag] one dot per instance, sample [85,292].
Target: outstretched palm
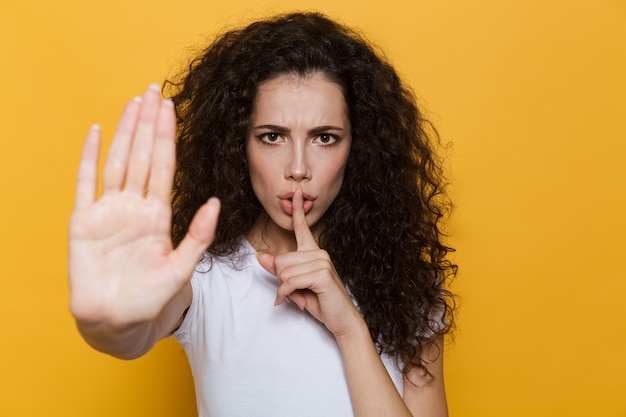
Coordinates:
[122,266]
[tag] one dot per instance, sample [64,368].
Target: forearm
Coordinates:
[128,343]
[371,389]
[132,340]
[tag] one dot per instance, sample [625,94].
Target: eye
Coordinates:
[271,138]
[326,139]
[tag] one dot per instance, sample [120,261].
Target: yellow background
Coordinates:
[532,95]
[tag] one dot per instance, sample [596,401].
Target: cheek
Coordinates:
[336,168]
[333,178]
[262,174]
[256,166]
[256,177]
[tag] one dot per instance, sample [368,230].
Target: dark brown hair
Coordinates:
[383,231]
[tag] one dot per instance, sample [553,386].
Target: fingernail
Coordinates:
[137,99]
[95,126]
[288,300]
[155,87]
[168,103]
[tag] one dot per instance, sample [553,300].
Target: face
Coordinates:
[298,136]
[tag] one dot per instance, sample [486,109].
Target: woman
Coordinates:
[307,185]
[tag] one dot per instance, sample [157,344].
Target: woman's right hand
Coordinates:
[123,269]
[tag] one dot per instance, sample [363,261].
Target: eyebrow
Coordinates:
[314,131]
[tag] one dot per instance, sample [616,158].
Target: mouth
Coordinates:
[286,202]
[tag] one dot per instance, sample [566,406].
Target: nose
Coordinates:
[298,168]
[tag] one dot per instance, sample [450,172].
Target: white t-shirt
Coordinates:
[251,359]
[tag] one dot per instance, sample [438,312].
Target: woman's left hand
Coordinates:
[308,278]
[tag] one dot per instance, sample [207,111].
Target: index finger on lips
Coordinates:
[304,237]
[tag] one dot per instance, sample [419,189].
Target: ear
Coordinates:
[267,261]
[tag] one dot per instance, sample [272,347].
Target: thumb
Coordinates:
[200,234]
[267,261]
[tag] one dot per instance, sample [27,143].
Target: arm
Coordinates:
[371,389]
[128,286]
[135,339]
[428,398]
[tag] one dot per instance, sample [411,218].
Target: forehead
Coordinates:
[292,99]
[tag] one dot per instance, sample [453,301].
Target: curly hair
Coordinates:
[384,229]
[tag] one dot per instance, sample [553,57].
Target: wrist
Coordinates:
[358,332]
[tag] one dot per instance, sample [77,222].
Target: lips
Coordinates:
[286,202]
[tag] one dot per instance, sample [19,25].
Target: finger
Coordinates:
[199,236]
[267,261]
[87,184]
[299,298]
[117,158]
[297,263]
[163,158]
[305,283]
[304,237]
[143,141]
